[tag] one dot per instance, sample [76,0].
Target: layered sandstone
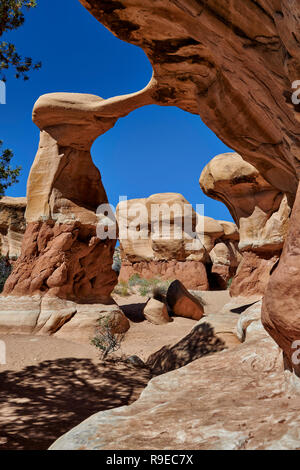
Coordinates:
[163,237]
[159,238]
[261,212]
[12,225]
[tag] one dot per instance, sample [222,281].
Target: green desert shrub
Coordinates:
[105,339]
[135,280]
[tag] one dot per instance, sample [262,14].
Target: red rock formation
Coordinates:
[182,303]
[157,253]
[191,273]
[280,312]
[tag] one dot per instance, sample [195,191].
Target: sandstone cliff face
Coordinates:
[261,212]
[12,225]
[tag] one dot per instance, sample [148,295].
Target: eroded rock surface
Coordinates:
[185,248]
[235,66]
[234,399]
[261,212]
[166,245]
[12,225]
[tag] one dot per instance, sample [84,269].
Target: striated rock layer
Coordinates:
[163,237]
[234,65]
[12,225]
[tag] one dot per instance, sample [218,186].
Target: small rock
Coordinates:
[156,312]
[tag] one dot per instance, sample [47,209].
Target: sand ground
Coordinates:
[50,385]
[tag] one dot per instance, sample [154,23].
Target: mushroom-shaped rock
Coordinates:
[158,237]
[261,212]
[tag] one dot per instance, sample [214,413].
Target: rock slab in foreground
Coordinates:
[231,400]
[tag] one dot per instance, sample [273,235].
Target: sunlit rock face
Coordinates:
[12,225]
[261,212]
[174,242]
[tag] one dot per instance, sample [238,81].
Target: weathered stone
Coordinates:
[253,274]
[156,312]
[167,244]
[182,303]
[260,210]
[203,406]
[12,225]
[191,273]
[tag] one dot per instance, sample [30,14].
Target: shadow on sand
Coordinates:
[42,402]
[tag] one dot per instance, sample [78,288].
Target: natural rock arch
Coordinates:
[210,59]
[216,60]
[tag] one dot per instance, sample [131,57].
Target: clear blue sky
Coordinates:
[155,149]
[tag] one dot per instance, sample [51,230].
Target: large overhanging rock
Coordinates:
[260,210]
[12,225]
[216,58]
[158,237]
[234,63]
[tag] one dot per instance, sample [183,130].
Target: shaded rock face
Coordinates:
[261,212]
[199,343]
[280,312]
[12,225]
[172,255]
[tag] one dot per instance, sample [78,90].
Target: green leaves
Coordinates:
[8,175]
[12,17]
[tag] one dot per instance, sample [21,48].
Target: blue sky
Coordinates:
[154,149]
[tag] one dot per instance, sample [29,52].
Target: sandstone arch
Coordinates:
[233,63]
